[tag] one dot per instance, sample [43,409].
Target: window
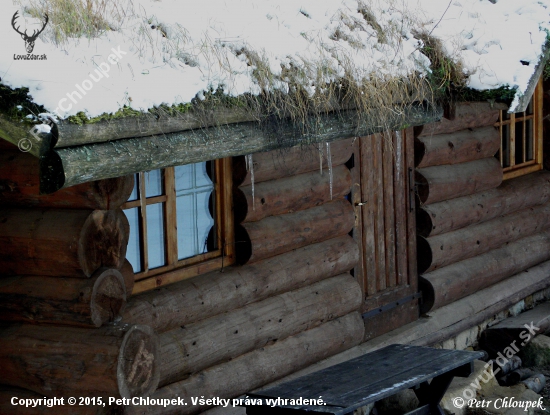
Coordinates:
[521,138]
[181,223]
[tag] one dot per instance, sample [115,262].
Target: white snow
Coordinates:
[204,42]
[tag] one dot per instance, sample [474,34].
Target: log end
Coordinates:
[243,245]
[240,205]
[138,370]
[103,241]
[112,193]
[52,173]
[424,223]
[108,296]
[127,272]
[425,256]
[419,151]
[422,187]
[428,295]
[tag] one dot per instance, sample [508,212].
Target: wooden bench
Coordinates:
[369,378]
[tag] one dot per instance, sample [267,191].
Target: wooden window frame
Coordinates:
[176,269]
[527,166]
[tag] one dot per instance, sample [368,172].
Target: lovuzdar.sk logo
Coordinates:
[29,39]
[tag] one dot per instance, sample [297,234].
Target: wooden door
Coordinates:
[385,229]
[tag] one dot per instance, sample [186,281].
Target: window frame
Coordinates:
[530,166]
[175,269]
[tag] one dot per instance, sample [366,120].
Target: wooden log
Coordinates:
[449,321]
[277,164]
[66,167]
[127,272]
[20,186]
[260,366]
[66,301]
[118,360]
[512,195]
[191,348]
[468,115]
[439,183]
[448,284]
[442,250]
[210,294]
[292,194]
[61,242]
[457,147]
[279,234]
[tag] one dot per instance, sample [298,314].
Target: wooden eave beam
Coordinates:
[68,166]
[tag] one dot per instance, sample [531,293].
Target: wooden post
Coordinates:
[439,183]
[20,186]
[66,301]
[214,293]
[511,196]
[119,360]
[191,348]
[287,195]
[278,234]
[261,366]
[61,242]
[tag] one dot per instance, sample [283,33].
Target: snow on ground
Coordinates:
[169,51]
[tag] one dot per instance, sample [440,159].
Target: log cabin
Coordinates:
[219,249]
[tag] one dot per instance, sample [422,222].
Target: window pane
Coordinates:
[202,178]
[204,220]
[184,176]
[530,140]
[185,207]
[193,190]
[133,252]
[135,194]
[153,183]
[519,142]
[155,235]
[505,146]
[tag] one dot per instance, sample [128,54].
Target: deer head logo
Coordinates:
[29,40]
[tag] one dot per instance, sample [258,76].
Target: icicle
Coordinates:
[321,158]
[250,167]
[329,162]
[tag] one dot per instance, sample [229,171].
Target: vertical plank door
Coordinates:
[385,230]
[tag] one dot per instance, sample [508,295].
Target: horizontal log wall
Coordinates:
[294,283]
[446,182]
[278,234]
[214,293]
[261,366]
[192,347]
[273,165]
[291,194]
[20,186]
[467,115]
[474,231]
[457,213]
[448,248]
[448,284]
[81,302]
[119,360]
[61,242]
[457,147]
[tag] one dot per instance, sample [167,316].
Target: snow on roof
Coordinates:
[170,51]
